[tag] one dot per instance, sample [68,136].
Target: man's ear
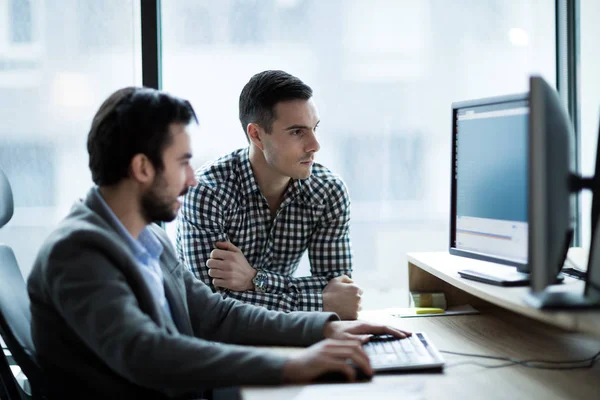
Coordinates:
[254,134]
[141,169]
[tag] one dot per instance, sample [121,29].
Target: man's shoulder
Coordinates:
[82,225]
[80,234]
[218,182]
[325,183]
[220,171]
[81,222]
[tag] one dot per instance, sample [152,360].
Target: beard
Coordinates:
[157,205]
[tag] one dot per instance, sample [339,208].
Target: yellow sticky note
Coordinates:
[428,310]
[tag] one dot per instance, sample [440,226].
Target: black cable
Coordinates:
[509,364]
[574,271]
[538,364]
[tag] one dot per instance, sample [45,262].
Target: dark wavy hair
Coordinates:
[263,92]
[131,121]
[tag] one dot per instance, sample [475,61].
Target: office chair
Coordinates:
[15,317]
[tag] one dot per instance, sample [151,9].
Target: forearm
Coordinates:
[259,326]
[286,302]
[194,244]
[177,363]
[285,293]
[278,283]
[231,321]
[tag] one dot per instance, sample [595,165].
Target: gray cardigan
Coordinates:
[98,330]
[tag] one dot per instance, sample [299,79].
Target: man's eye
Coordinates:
[297,132]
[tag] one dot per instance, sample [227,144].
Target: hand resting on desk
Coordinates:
[343,297]
[340,352]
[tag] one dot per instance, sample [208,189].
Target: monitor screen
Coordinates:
[489,180]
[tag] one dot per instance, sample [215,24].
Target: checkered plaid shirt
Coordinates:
[227,205]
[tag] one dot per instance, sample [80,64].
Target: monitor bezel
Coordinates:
[456,106]
[592,288]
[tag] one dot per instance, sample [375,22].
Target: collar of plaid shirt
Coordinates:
[297,187]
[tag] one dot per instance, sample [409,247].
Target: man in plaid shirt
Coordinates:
[244,227]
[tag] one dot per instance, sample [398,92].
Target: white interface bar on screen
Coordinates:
[496,113]
[505,239]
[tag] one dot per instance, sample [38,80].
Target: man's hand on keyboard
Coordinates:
[327,356]
[360,330]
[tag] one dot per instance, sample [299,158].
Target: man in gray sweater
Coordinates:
[116,315]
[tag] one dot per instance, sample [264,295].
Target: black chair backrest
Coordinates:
[15,316]
[6,200]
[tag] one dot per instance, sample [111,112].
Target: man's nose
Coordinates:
[313,144]
[191,178]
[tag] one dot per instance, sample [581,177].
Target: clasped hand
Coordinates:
[229,268]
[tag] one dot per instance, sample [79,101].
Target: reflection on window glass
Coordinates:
[395,175]
[49,90]
[33,182]
[384,74]
[22,26]
[247,21]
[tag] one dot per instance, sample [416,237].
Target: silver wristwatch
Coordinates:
[260,281]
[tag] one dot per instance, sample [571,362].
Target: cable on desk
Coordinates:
[537,364]
[509,364]
[575,271]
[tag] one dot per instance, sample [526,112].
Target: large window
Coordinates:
[57,64]
[589,102]
[384,74]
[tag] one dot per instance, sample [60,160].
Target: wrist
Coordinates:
[251,285]
[288,371]
[328,329]
[326,302]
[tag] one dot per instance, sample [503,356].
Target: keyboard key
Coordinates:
[388,348]
[419,347]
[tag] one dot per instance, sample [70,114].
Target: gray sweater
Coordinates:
[99,332]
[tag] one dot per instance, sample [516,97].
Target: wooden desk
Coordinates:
[439,272]
[504,328]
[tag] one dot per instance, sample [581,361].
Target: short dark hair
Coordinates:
[263,91]
[131,121]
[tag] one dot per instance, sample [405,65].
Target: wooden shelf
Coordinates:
[439,272]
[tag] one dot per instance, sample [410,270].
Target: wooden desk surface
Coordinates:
[493,332]
[439,272]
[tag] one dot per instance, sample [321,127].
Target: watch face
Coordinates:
[260,281]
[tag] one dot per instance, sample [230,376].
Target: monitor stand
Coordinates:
[510,277]
[561,300]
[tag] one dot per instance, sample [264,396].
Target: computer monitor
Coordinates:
[592,288]
[489,180]
[550,144]
[552,184]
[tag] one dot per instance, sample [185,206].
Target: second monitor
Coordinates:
[489,184]
[492,187]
